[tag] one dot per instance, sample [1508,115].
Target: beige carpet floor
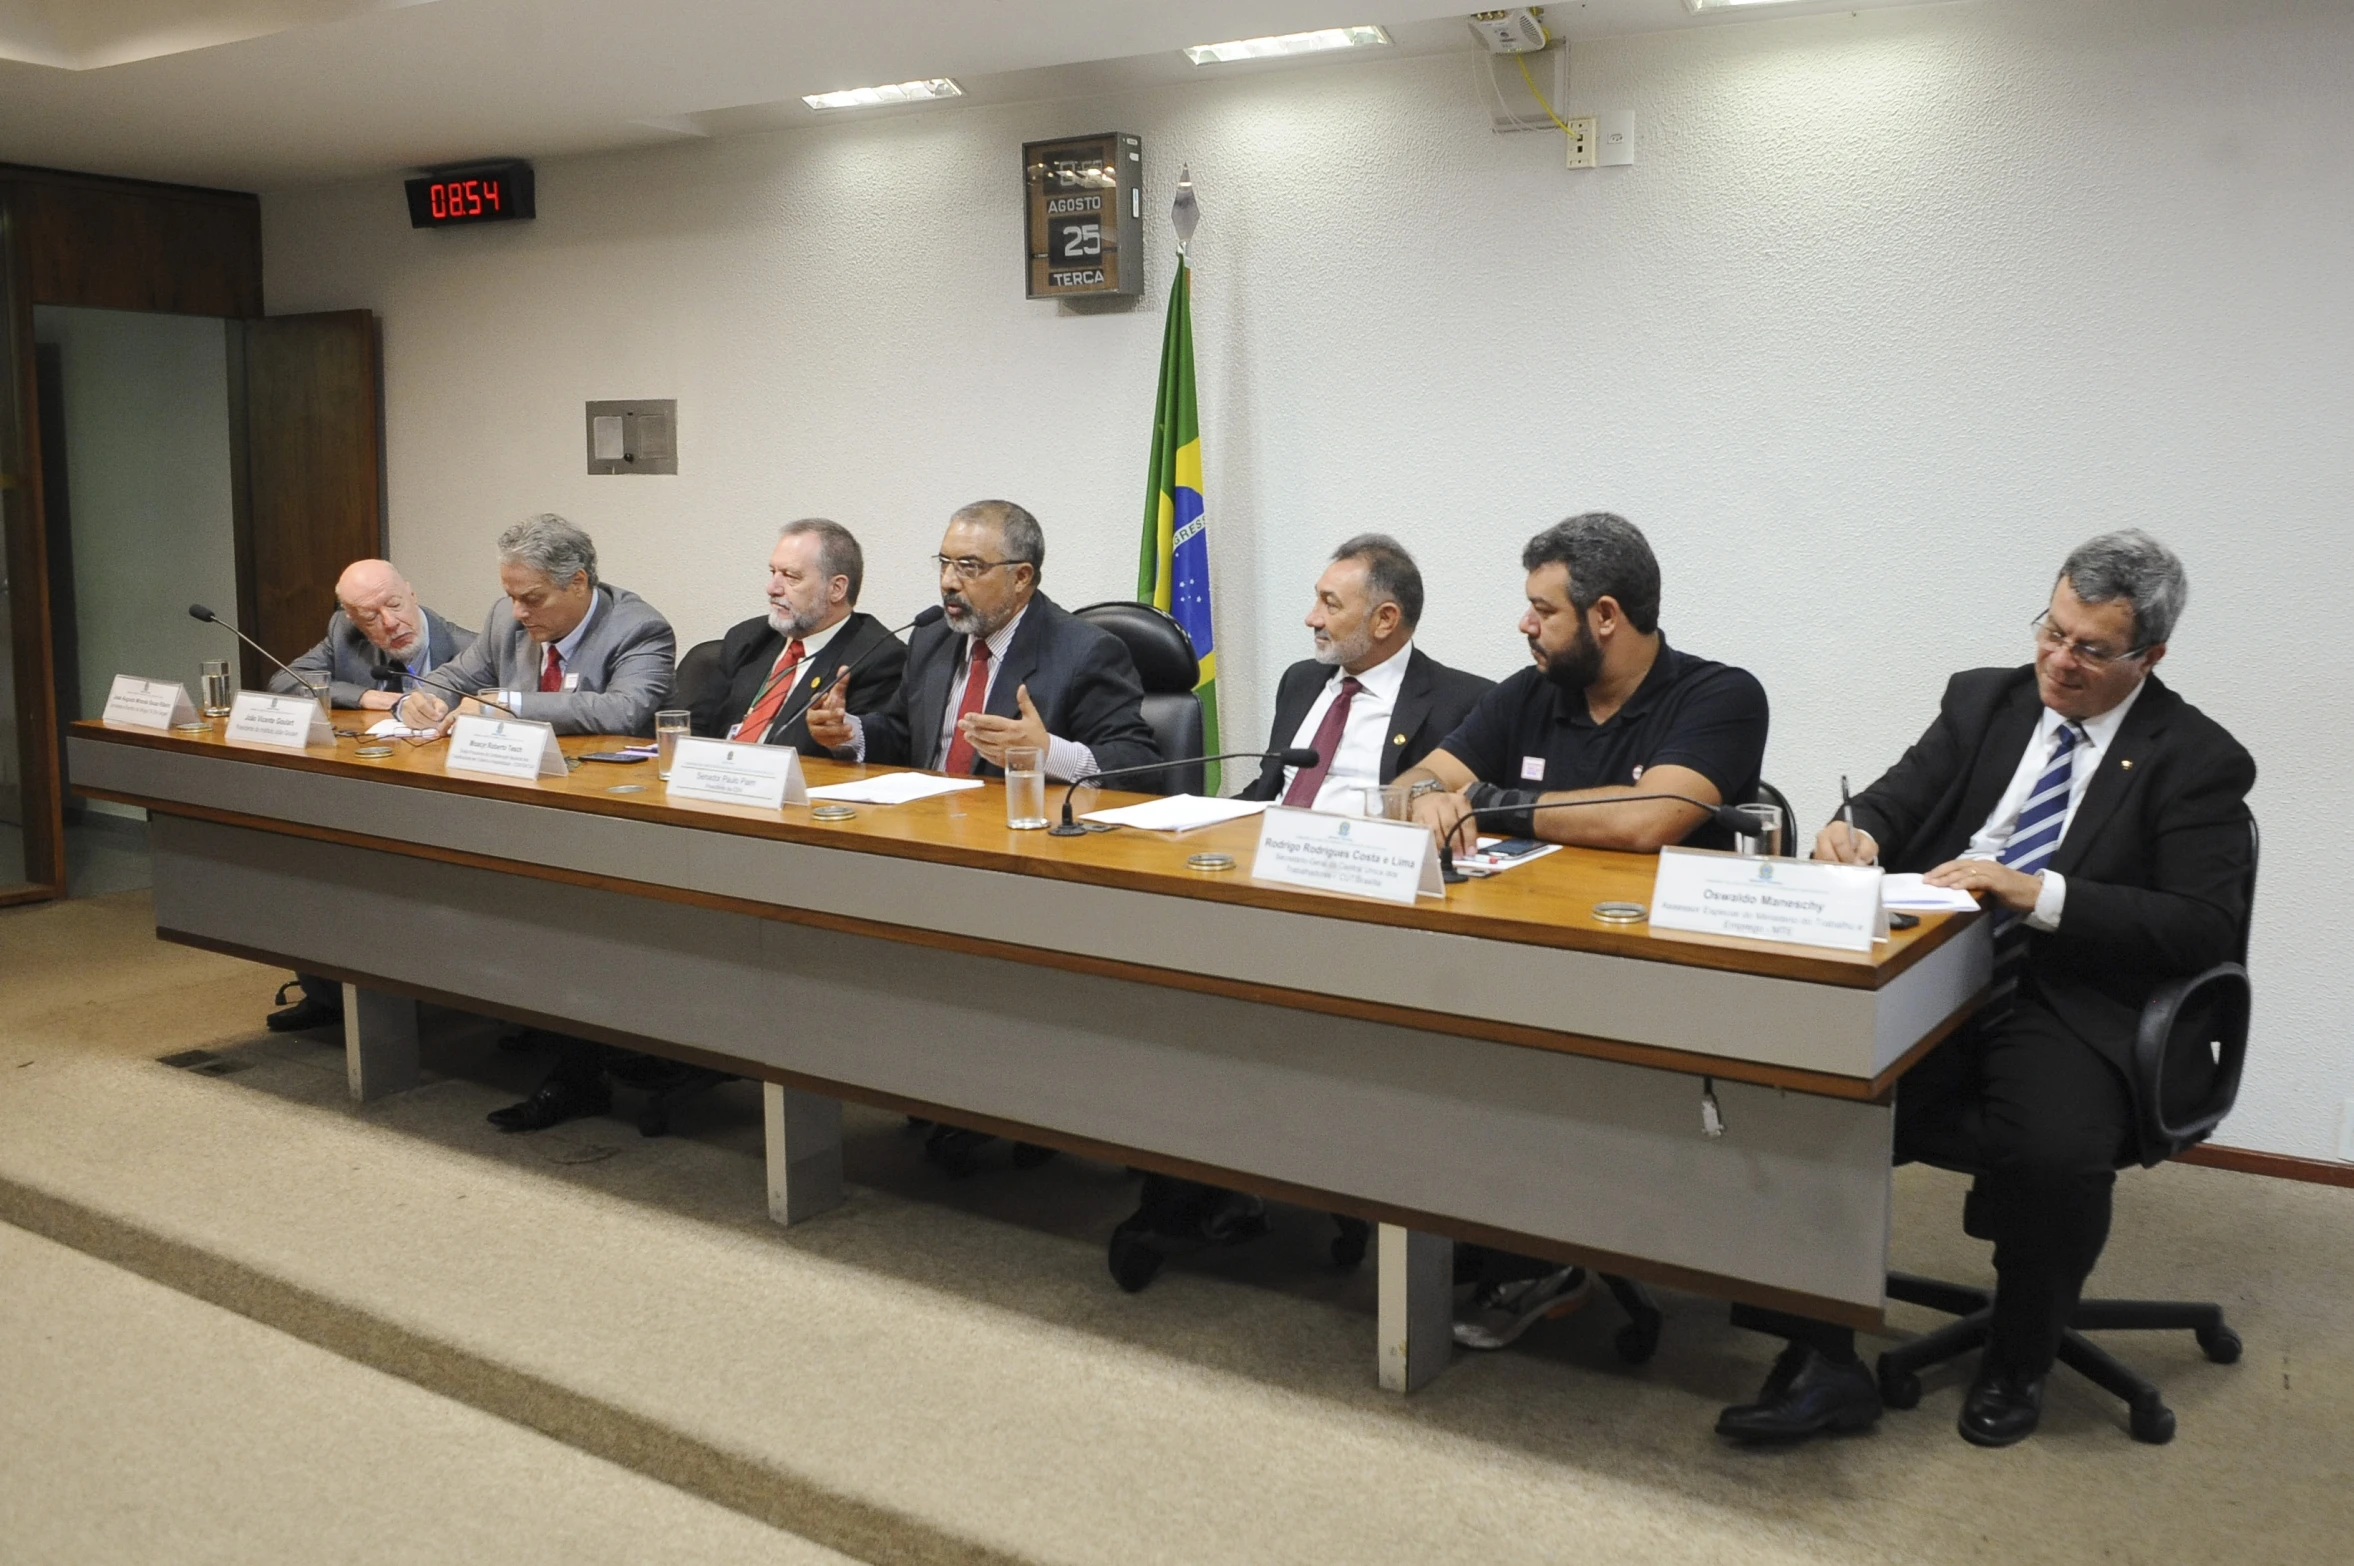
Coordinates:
[449,1342]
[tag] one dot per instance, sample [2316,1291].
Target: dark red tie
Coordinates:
[772,696]
[1336,718]
[976,690]
[551,673]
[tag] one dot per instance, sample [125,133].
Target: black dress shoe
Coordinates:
[2002,1409]
[1806,1395]
[552,1103]
[304,1013]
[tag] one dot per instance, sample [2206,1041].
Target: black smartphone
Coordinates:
[1903,921]
[619,758]
[1514,847]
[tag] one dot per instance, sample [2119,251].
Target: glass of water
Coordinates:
[218,692]
[1025,788]
[670,726]
[1762,836]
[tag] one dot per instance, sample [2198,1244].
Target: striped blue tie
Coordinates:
[2032,842]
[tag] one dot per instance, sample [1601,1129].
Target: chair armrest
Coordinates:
[2167,1132]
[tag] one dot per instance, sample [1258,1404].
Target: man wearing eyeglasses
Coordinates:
[379,641]
[2102,820]
[1005,666]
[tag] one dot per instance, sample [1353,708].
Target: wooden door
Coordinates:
[31,813]
[306,470]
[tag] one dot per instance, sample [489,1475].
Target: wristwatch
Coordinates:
[1424,786]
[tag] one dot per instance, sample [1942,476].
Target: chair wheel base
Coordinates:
[2222,1345]
[2152,1422]
[1899,1388]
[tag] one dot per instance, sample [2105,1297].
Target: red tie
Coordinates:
[551,673]
[772,696]
[976,687]
[1336,718]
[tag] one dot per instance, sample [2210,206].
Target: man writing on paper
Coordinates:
[582,656]
[771,668]
[1607,711]
[1369,703]
[2103,821]
[1006,666]
[379,642]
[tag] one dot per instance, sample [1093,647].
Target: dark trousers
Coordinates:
[326,992]
[2043,1120]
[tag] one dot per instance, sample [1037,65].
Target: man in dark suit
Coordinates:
[772,667]
[1369,701]
[1006,666]
[379,642]
[2102,820]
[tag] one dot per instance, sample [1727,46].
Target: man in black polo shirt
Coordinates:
[1608,711]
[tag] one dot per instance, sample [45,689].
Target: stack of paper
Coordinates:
[1177,813]
[1913,895]
[893,788]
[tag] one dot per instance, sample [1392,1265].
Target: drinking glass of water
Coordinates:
[670,726]
[1025,788]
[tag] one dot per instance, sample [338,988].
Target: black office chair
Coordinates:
[1166,665]
[698,679]
[2186,1074]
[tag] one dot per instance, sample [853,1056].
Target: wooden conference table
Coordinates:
[1502,1067]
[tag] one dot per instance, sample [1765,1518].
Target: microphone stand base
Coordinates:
[1066,829]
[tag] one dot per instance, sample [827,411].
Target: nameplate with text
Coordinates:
[148,704]
[1395,861]
[505,748]
[728,772]
[1800,902]
[292,722]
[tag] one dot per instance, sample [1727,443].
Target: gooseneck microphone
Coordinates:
[200,612]
[931,616]
[1291,756]
[1727,816]
[426,679]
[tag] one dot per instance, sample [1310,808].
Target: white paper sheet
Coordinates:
[893,788]
[1913,895]
[391,728]
[1178,813]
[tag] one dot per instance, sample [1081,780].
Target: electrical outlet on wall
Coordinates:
[1581,143]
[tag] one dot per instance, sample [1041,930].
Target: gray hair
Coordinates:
[838,553]
[1017,530]
[1607,557]
[1391,576]
[550,545]
[2131,565]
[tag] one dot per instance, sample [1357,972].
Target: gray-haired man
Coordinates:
[563,648]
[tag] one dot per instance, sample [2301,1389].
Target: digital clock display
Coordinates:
[490,193]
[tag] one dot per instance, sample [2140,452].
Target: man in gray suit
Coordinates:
[379,641]
[580,655]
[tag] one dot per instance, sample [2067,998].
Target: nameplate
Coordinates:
[148,704]
[504,747]
[729,772]
[259,718]
[1800,902]
[1395,861]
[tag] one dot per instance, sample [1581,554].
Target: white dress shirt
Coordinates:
[1988,841]
[1067,761]
[1356,760]
[565,648]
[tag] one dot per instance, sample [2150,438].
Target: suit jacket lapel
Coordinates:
[1413,705]
[2124,760]
[927,693]
[2007,736]
[1021,661]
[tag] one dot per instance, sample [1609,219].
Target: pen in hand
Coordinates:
[1847,813]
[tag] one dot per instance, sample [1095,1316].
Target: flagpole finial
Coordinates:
[1184,212]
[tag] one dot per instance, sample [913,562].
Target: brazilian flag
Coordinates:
[1173,567]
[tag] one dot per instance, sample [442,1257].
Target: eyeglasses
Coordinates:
[2050,638]
[964,567]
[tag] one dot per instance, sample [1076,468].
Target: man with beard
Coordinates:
[773,666]
[379,642]
[1006,666]
[1369,701]
[1608,711]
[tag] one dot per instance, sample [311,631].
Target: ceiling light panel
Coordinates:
[876,97]
[1286,44]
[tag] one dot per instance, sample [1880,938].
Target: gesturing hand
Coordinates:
[992,736]
[829,715]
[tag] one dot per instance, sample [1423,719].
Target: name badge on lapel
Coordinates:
[1532,769]
[572,682]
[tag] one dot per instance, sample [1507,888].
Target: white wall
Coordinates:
[147,472]
[1894,309]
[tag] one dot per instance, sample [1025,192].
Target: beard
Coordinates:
[962,617]
[789,622]
[1575,667]
[1334,652]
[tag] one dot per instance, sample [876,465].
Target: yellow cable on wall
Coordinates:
[1521,60]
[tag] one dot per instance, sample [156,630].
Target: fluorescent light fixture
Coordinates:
[1696,7]
[874,97]
[1289,43]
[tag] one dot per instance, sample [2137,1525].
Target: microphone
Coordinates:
[200,612]
[447,690]
[931,616]
[1727,816]
[1291,756]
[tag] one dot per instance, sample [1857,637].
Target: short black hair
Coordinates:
[1607,557]
[838,553]
[1391,576]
